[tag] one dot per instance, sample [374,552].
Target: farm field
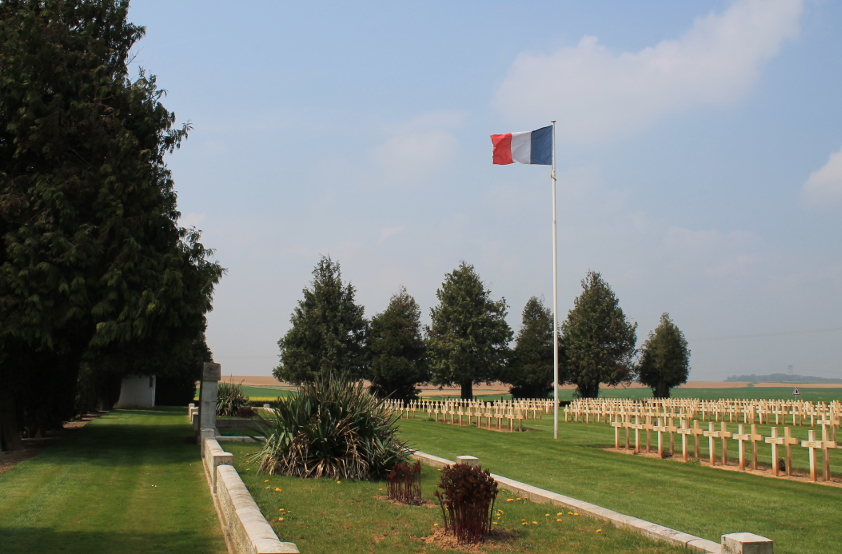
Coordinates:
[126,482]
[323,515]
[800,517]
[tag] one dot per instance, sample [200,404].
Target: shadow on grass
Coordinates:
[26,540]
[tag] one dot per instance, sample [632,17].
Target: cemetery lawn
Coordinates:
[126,482]
[802,518]
[323,515]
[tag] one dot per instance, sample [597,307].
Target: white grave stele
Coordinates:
[137,391]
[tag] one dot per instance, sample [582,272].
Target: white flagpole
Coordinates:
[555,304]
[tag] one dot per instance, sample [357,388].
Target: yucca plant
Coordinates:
[332,428]
[229,399]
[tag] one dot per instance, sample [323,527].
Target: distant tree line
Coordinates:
[97,279]
[469,342]
[781,378]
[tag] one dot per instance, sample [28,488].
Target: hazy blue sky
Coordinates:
[699,155]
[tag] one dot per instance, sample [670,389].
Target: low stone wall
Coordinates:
[214,456]
[247,529]
[652,530]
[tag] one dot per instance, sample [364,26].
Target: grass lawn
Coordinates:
[325,516]
[126,482]
[801,518]
[765,393]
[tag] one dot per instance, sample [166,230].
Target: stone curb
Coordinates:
[541,496]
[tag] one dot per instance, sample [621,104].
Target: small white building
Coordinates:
[137,391]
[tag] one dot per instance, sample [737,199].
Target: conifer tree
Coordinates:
[665,360]
[91,256]
[398,350]
[530,372]
[328,333]
[597,340]
[469,337]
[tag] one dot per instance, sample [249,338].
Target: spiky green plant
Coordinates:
[229,399]
[332,428]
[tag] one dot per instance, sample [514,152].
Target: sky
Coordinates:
[699,161]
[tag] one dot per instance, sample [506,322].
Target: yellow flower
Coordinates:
[435,525]
[248,469]
[266,481]
[546,515]
[339,482]
[570,513]
[560,514]
[575,513]
[278,490]
[267,488]
[493,523]
[280,519]
[510,500]
[380,489]
[524,523]
[599,530]
[281,510]
[559,519]
[534,523]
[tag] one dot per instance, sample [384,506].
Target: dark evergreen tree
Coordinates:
[597,340]
[397,348]
[328,333]
[91,256]
[469,337]
[530,372]
[665,360]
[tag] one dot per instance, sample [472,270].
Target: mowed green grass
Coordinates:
[764,393]
[802,518]
[326,516]
[126,482]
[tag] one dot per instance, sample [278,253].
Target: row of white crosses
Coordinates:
[731,410]
[666,426]
[475,412]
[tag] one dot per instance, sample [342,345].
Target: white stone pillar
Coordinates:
[211,374]
[467,460]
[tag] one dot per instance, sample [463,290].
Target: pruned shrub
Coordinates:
[332,428]
[229,399]
[405,483]
[467,498]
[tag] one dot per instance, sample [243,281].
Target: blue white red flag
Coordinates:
[529,147]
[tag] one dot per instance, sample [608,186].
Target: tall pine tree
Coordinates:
[598,341]
[469,337]
[328,333]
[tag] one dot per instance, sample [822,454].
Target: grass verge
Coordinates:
[126,482]
[322,515]
[801,518]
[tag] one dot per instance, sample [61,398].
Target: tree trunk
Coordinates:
[467,390]
[9,431]
[661,391]
[588,390]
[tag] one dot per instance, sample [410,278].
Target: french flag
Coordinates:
[529,147]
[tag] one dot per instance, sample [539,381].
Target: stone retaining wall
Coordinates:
[247,529]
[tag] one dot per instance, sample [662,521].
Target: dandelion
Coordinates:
[599,530]
[281,510]
[559,520]
[534,523]
[510,500]
[501,511]
[570,513]
[267,488]
[248,468]
[266,481]
[546,515]
[493,523]
[524,523]
[280,519]
[575,513]
[380,489]
[278,490]
[560,514]
[339,482]
[435,525]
